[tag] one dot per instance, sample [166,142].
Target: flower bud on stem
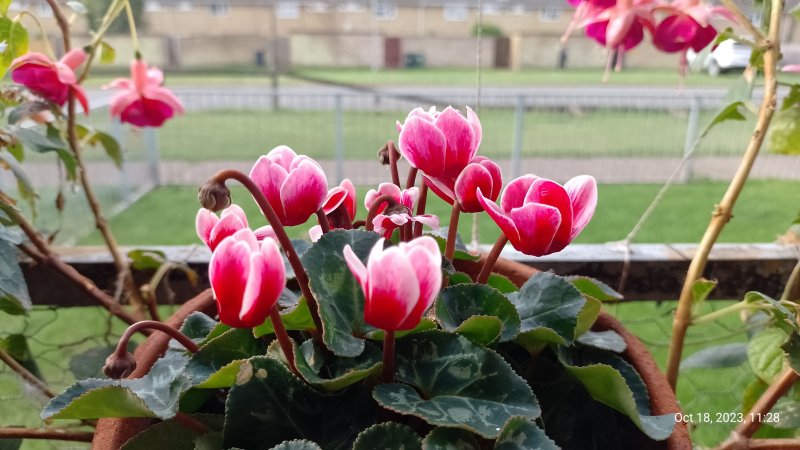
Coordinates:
[216,186]
[491,258]
[121,363]
[393,153]
[388,356]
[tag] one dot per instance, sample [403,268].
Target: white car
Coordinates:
[729,55]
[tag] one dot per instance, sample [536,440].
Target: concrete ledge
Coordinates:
[656,271]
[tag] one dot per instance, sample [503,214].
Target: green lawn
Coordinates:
[244,135]
[764,211]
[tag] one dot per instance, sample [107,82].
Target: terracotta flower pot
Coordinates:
[112,433]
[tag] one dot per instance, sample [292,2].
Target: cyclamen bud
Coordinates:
[214,196]
[119,366]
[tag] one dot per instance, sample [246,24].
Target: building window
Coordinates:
[288,10]
[455,13]
[491,9]
[152,6]
[549,15]
[350,7]
[384,9]
[185,6]
[318,7]
[220,9]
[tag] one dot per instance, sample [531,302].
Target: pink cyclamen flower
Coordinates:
[339,207]
[142,101]
[53,81]
[387,220]
[247,278]
[481,174]
[294,185]
[399,283]
[539,216]
[440,144]
[212,229]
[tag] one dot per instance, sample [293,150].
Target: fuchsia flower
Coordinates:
[53,81]
[440,144]
[539,216]
[399,283]
[387,220]
[621,26]
[247,278]
[212,229]
[294,185]
[142,101]
[688,26]
[481,174]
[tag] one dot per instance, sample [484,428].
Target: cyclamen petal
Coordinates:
[423,145]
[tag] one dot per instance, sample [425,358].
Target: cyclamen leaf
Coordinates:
[444,438]
[388,435]
[521,433]
[548,307]
[298,444]
[594,288]
[172,434]
[456,383]
[14,297]
[612,381]
[604,340]
[457,304]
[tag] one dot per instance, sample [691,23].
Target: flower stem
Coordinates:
[376,206]
[283,338]
[491,258]
[57,434]
[423,199]
[388,356]
[393,163]
[280,233]
[122,345]
[48,47]
[323,221]
[452,231]
[132,27]
[724,210]
[412,177]
[714,315]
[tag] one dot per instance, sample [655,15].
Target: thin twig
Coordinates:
[45,433]
[744,20]
[26,375]
[724,211]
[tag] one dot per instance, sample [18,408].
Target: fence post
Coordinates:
[687,173]
[152,155]
[519,125]
[338,138]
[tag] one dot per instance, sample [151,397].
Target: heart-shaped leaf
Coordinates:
[765,353]
[594,288]
[14,297]
[14,35]
[502,283]
[792,349]
[340,372]
[295,316]
[548,307]
[340,298]
[456,383]
[297,444]
[716,357]
[482,330]
[457,304]
[445,438]
[612,381]
[388,435]
[521,433]
[605,340]
[198,326]
[219,355]
[172,434]
[269,405]
[461,251]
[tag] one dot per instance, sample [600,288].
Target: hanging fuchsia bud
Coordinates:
[247,278]
[212,229]
[51,80]
[399,283]
[141,100]
[539,216]
[442,143]
[294,185]
[481,174]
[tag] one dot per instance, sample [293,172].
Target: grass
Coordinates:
[245,135]
[764,211]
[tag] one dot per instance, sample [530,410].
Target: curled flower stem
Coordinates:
[491,258]
[376,206]
[388,356]
[280,233]
[452,231]
[122,345]
[393,163]
[323,221]
[423,198]
[359,223]
[283,338]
